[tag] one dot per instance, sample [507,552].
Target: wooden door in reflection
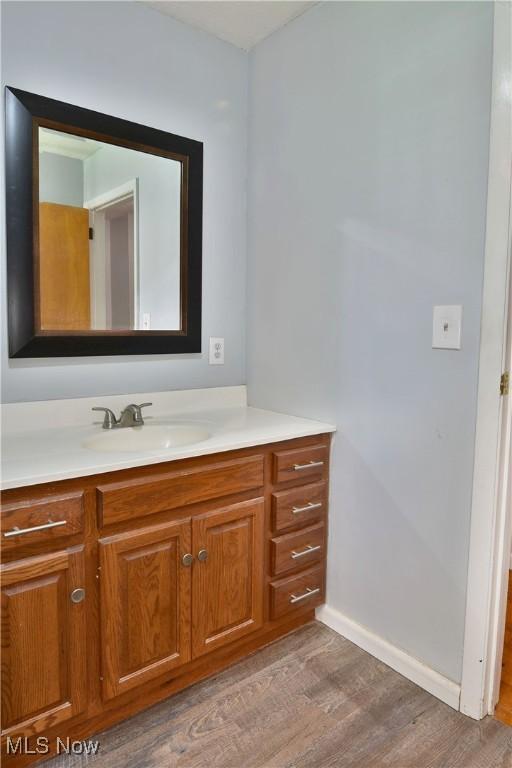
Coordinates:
[64,275]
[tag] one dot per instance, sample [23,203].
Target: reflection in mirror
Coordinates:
[109,236]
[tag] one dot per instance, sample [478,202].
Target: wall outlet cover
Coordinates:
[216,356]
[447,327]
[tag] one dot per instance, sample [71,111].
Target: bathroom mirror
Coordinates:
[104,229]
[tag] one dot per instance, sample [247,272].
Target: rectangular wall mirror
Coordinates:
[104,229]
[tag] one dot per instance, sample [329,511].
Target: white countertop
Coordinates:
[39,449]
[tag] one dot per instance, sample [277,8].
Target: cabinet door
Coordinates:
[43,641]
[145,604]
[228,574]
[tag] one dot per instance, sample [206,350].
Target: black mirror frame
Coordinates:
[24,113]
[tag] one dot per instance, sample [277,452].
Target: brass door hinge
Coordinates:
[504,383]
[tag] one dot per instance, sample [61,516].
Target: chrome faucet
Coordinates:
[131,416]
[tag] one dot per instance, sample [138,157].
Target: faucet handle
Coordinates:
[110,421]
[137,412]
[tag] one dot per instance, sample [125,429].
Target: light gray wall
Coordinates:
[61,180]
[128,60]
[159,187]
[369,132]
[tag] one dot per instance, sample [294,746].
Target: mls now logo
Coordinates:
[41,746]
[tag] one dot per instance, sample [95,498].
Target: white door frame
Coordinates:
[489,550]
[504,519]
[129,189]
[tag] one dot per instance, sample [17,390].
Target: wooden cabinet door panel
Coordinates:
[145,605]
[227,587]
[43,642]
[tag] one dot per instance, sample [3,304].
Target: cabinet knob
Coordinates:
[187,559]
[202,555]
[77,595]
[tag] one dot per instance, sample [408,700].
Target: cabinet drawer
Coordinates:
[130,499]
[298,506]
[301,464]
[305,590]
[38,520]
[293,550]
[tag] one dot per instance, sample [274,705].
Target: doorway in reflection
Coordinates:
[113,267]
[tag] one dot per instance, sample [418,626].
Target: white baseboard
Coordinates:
[401,662]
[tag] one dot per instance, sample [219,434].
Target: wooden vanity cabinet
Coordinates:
[123,588]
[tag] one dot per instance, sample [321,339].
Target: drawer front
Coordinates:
[158,493]
[305,590]
[299,506]
[299,549]
[301,465]
[41,520]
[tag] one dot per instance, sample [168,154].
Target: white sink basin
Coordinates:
[150,437]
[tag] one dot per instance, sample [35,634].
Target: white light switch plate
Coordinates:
[216,350]
[447,327]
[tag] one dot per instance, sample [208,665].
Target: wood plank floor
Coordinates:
[504,708]
[311,700]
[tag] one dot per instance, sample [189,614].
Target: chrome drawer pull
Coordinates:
[309,465]
[20,531]
[309,549]
[309,506]
[308,593]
